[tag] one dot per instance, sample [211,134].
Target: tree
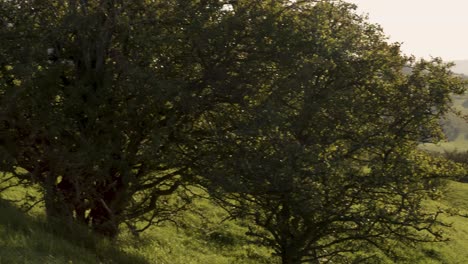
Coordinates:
[101,100]
[88,114]
[99,97]
[323,159]
[295,114]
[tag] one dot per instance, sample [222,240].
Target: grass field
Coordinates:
[200,237]
[455,127]
[455,250]
[197,240]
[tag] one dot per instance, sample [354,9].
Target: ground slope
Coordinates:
[197,240]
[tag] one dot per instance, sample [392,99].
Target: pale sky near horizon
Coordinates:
[425,27]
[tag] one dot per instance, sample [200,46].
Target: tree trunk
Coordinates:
[107,209]
[103,220]
[290,256]
[64,204]
[56,204]
[56,207]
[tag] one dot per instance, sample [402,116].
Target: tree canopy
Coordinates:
[297,116]
[323,160]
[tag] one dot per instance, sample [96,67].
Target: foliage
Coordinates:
[323,160]
[78,125]
[295,115]
[97,101]
[460,157]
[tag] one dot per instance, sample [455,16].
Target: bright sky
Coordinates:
[425,27]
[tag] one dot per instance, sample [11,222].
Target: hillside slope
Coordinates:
[455,127]
[197,240]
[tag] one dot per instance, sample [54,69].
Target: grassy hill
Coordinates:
[455,250]
[202,235]
[455,127]
[197,240]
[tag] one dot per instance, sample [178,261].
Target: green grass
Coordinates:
[455,127]
[455,250]
[201,237]
[27,239]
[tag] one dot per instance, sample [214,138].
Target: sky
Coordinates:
[424,27]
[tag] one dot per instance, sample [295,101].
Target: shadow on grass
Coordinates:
[27,239]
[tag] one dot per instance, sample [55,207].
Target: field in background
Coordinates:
[455,128]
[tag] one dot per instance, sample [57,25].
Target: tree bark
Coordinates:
[290,256]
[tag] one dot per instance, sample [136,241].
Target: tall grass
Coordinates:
[28,239]
[201,235]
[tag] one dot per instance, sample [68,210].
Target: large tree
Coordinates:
[101,100]
[295,114]
[99,97]
[323,160]
[89,109]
